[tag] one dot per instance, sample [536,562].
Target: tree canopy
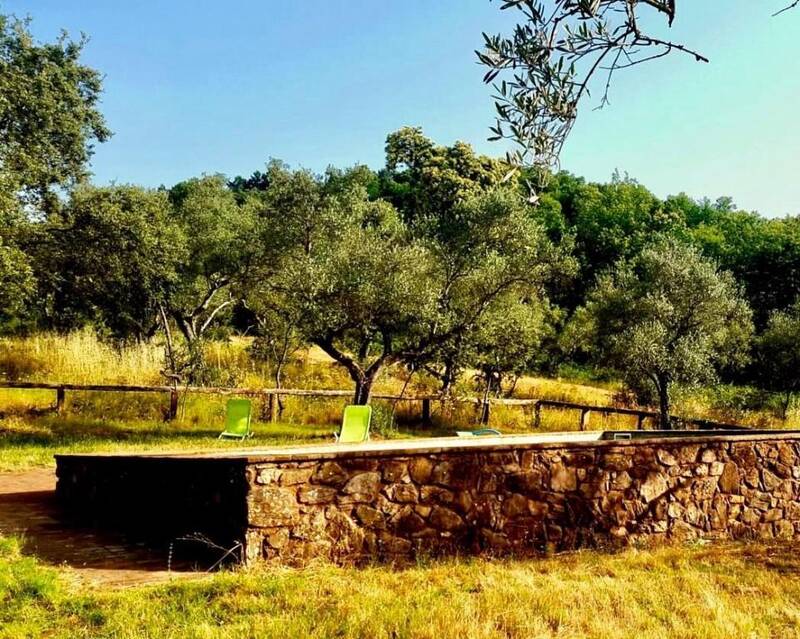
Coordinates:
[217,232]
[49,117]
[666,316]
[110,256]
[778,353]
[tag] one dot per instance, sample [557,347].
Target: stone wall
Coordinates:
[522,499]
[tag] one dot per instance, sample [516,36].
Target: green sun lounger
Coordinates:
[355,425]
[237,419]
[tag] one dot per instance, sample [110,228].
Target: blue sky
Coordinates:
[201,87]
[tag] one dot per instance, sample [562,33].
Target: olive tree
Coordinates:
[218,235]
[109,257]
[49,119]
[507,339]
[371,289]
[778,354]
[557,54]
[495,262]
[666,316]
[358,294]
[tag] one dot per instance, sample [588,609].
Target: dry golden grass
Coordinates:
[564,390]
[79,358]
[683,592]
[82,358]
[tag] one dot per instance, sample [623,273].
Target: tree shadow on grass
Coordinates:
[50,435]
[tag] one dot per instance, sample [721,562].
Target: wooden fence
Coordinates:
[425,401]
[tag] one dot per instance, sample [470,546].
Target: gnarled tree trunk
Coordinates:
[364,376]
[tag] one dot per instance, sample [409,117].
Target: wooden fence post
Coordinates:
[173,404]
[640,421]
[584,418]
[60,398]
[426,412]
[271,407]
[537,415]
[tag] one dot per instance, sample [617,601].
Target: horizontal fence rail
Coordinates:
[272,393]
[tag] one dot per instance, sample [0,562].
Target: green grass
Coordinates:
[31,442]
[682,592]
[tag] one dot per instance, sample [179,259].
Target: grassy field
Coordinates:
[692,591]
[82,358]
[30,433]
[680,592]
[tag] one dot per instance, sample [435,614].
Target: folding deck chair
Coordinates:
[355,425]
[237,419]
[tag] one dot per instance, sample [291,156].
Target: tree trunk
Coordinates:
[278,386]
[513,387]
[284,354]
[485,403]
[663,402]
[448,377]
[363,390]
[363,377]
[786,402]
[186,327]
[171,363]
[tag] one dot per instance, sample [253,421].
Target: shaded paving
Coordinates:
[28,509]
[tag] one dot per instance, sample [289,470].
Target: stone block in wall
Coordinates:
[311,494]
[370,517]
[744,454]
[666,457]
[729,481]
[368,483]
[393,545]
[402,493]
[345,537]
[395,471]
[563,478]
[330,473]
[295,476]
[515,505]
[407,521]
[270,506]
[769,480]
[445,519]
[787,453]
[653,486]
[421,469]
[436,494]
